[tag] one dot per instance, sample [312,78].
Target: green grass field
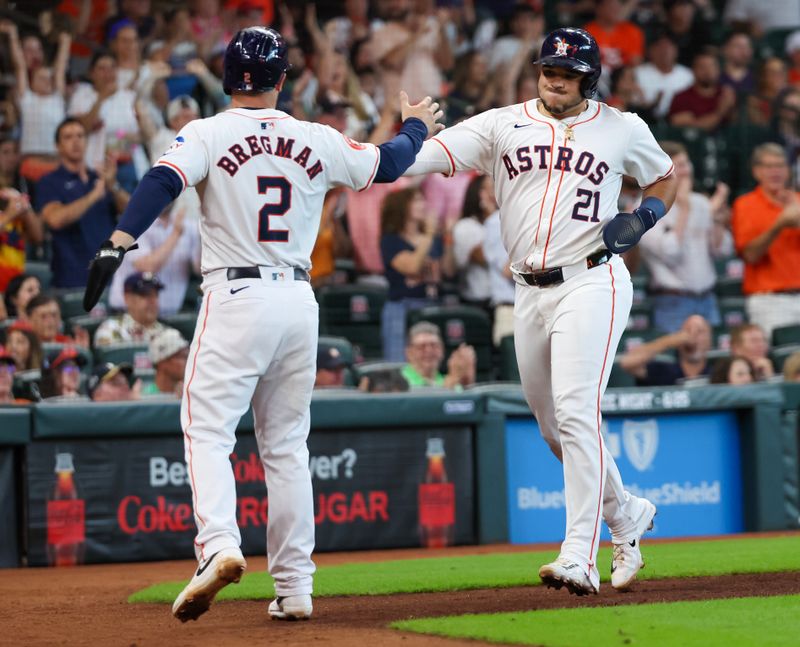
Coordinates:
[737,622]
[682,559]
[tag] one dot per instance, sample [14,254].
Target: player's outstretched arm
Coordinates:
[160,186]
[419,121]
[626,229]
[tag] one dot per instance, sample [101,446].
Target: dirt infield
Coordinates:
[87,606]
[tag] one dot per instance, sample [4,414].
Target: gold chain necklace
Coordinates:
[569,133]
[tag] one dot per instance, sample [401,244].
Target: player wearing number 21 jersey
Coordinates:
[557,164]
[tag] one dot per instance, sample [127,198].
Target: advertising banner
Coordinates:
[129,499]
[9,546]
[687,464]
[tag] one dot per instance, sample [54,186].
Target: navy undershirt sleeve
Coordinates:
[160,186]
[400,152]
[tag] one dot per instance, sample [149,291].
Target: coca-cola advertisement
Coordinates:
[96,501]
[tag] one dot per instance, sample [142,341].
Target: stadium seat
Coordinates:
[461,325]
[367,368]
[134,352]
[71,302]
[786,335]
[641,317]
[732,311]
[632,338]
[183,322]
[509,369]
[729,268]
[728,288]
[353,312]
[41,270]
[779,354]
[343,345]
[26,385]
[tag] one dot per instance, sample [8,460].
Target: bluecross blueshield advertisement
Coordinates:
[688,465]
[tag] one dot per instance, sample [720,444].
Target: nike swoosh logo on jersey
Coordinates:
[239,289]
[522,125]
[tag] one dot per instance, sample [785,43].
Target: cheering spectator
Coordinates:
[686,27]
[501,283]
[750,342]
[113,383]
[692,343]
[766,230]
[139,13]
[23,344]
[621,42]
[106,109]
[737,61]
[412,49]
[772,84]
[61,374]
[168,352]
[169,248]
[661,77]
[7,370]
[10,177]
[472,90]
[425,352]
[626,95]
[793,54]
[706,104]
[759,17]
[44,315]
[41,104]
[19,291]
[468,237]
[330,367]
[786,128]
[411,258]
[732,370]
[526,27]
[124,45]
[680,252]
[78,205]
[19,225]
[140,321]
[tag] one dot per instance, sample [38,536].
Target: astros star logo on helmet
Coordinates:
[562,47]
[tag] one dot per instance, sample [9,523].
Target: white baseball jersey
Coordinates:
[555,193]
[262,177]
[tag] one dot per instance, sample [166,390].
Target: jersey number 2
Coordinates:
[587,198]
[279,208]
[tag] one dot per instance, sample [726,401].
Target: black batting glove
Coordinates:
[626,229]
[105,262]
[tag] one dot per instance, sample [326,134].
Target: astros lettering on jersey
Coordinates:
[575,163]
[247,202]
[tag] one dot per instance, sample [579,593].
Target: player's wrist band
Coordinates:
[656,205]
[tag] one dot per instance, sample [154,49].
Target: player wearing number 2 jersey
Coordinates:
[557,164]
[262,177]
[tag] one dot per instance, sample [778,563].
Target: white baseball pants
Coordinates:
[255,341]
[566,336]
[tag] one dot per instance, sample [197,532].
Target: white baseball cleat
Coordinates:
[291,607]
[627,558]
[563,572]
[219,570]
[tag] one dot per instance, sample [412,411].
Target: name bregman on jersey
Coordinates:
[255,145]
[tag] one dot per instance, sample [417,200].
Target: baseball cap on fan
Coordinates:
[66,354]
[143,283]
[165,344]
[329,358]
[107,371]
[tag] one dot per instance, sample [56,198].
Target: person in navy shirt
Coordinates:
[79,205]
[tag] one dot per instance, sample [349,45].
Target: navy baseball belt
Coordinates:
[254,272]
[555,275]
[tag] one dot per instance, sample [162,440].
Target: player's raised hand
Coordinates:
[426,110]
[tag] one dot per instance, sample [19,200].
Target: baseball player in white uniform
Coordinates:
[557,164]
[262,177]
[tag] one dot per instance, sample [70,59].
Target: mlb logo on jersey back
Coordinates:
[179,141]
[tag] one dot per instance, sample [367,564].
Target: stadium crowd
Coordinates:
[93,91]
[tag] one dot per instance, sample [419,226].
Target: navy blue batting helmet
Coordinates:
[255,61]
[576,50]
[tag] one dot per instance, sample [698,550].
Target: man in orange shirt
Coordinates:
[621,42]
[766,231]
